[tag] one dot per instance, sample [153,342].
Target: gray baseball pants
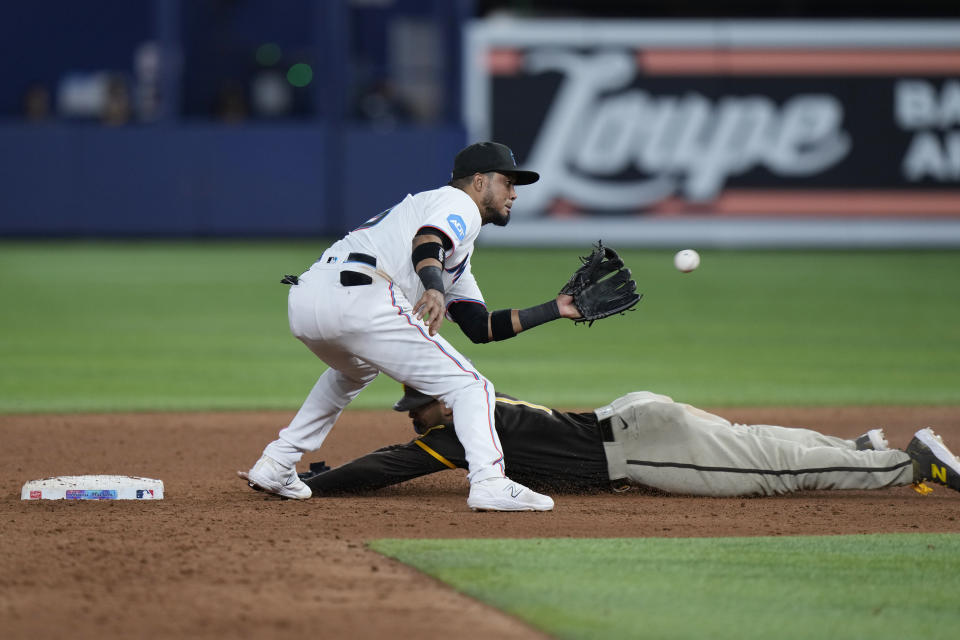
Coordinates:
[677,448]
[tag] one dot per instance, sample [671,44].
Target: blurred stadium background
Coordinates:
[790,123]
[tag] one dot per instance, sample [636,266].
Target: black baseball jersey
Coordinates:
[545,449]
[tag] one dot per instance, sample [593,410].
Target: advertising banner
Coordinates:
[649,120]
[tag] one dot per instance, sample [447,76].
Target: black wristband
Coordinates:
[501,324]
[431,277]
[539,314]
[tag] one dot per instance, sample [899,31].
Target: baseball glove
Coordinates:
[602,286]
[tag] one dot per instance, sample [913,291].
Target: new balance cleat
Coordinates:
[873,439]
[271,476]
[503,494]
[932,460]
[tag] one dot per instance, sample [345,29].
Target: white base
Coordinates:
[93,488]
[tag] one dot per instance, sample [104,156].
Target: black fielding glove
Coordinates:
[602,286]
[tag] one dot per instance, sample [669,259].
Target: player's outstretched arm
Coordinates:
[481,326]
[601,287]
[388,466]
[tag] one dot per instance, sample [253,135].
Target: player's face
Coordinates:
[429,415]
[497,198]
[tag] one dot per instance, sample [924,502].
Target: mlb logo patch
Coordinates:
[457,225]
[144,494]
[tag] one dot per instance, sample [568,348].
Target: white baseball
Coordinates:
[686,260]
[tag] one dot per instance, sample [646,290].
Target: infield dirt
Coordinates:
[216,560]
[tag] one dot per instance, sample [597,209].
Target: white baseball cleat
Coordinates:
[873,439]
[272,477]
[503,494]
[932,460]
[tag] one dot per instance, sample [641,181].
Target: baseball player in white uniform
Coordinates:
[374,302]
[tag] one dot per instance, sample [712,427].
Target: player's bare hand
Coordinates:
[566,306]
[430,306]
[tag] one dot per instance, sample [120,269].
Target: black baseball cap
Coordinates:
[411,399]
[482,157]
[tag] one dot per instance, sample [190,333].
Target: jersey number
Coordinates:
[375,220]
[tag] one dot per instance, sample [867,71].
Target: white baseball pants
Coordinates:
[362,330]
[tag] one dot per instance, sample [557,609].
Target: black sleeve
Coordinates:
[472,318]
[382,468]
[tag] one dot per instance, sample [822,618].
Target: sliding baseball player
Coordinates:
[646,439]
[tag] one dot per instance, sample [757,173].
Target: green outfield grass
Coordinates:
[90,326]
[837,587]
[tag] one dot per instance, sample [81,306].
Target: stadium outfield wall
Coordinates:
[736,134]
[210,180]
[724,133]
[215,181]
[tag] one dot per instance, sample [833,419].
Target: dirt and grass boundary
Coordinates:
[214,559]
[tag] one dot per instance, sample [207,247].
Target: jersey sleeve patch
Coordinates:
[457,225]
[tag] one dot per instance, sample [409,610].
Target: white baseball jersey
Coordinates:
[388,237]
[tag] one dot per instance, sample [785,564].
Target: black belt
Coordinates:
[347,278]
[353,278]
[606,430]
[362,257]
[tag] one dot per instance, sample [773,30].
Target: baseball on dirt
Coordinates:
[686,260]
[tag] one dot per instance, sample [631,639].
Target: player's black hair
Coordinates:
[461,183]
